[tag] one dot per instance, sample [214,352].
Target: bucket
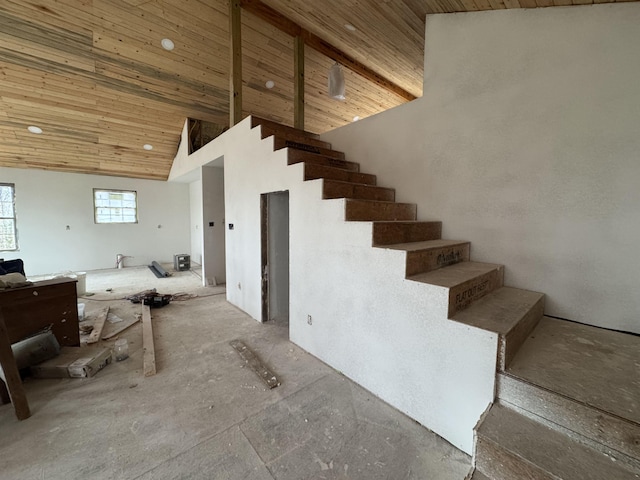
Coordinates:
[81,286]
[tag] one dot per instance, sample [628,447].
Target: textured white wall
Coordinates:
[46,202]
[213,211]
[195,216]
[526,143]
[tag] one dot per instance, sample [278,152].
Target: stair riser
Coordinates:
[463,295]
[280,142]
[392,233]
[498,464]
[599,430]
[425,261]
[511,343]
[346,190]
[365,211]
[312,172]
[297,156]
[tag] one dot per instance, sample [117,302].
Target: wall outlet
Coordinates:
[309,320]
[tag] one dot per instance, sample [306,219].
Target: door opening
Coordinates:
[274,209]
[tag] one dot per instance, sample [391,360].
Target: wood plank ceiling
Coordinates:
[93,75]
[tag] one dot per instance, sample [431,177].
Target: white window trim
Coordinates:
[14,218]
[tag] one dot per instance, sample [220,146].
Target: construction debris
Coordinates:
[149,353]
[98,325]
[255,364]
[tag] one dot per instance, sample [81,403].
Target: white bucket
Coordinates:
[81,286]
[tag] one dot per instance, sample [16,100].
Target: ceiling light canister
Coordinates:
[356,118]
[167,44]
[34,129]
[270,84]
[146,146]
[350,27]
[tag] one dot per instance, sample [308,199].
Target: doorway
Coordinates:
[274,208]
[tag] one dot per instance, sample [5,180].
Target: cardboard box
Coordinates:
[74,362]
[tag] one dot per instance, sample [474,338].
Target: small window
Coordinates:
[115,206]
[8,232]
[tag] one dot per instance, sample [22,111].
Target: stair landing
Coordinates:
[597,367]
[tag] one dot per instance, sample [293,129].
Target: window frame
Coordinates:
[12,186]
[114,190]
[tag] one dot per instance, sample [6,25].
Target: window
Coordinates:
[8,234]
[115,206]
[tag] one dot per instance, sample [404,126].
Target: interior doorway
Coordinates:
[274,209]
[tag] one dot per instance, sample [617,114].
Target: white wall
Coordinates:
[526,143]
[213,236]
[195,216]
[46,202]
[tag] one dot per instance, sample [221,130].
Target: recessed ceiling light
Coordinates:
[350,27]
[270,84]
[34,129]
[146,146]
[167,44]
[356,118]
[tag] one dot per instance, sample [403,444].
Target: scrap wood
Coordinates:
[98,325]
[255,364]
[149,354]
[122,327]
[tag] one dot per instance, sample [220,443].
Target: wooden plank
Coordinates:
[121,328]
[235,78]
[148,349]
[255,364]
[298,89]
[98,325]
[11,374]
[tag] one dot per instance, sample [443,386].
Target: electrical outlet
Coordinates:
[211,224]
[309,320]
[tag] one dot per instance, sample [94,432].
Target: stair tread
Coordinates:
[500,311]
[548,449]
[592,365]
[455,274]
[424,245]
[378,201]
[344,182]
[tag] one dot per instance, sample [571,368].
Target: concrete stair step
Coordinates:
[511,446]
[390,233]
[511,312]
[432,254]
[314,171]
[616,437]
[467,282]
[371,210]
[280,142]
[477,475]
[298,156]
[339,189]
[269,128]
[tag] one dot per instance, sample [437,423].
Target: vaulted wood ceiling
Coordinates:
[93,75]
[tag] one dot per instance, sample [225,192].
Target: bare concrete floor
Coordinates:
[598,367]
[205,416]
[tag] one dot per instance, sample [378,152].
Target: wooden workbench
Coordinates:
[25,311]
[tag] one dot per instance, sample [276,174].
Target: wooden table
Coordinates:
[25,311]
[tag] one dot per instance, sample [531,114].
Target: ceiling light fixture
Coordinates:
[336,82]
[167,44]
[146,146]
[356,118]
[270,84]
[34,129]
[350,27]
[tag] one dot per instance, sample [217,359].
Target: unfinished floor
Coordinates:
[205,416]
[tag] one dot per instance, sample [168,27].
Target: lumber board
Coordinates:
[121,328]
[148,349]
[298,89]
[235,54]
[98,325]
[254,363]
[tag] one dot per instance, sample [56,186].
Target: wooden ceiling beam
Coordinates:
[288,26]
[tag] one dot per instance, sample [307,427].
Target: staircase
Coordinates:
[535,430]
